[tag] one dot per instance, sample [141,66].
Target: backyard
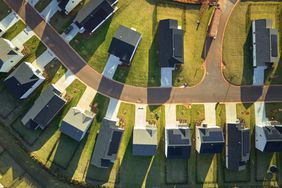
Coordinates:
[145,70]
[237,53]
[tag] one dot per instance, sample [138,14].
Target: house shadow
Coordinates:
[206,47]
[204,161]
[248,69]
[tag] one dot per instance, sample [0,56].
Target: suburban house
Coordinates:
[237,146]
[177,142]
[170,49]
[124,44]
[9,55]
[76,123]
[24,80]
[44,109]
[107,144]
[265,43]
[209,139]
[67,6]
[145,140]
[269,137]
[91,16]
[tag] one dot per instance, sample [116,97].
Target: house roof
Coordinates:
[211,139]
[22,79]
[266,45]
[238,146]
[145,140]
[8,53]
[178,142]
[68,5]
[93,13]
[170,43]
[45,108]
[273,136]
[107,144]
[76,123]
[124,44]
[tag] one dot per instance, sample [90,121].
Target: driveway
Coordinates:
[260,114]
[50,10]
[231,113]
[111,66]
[33,2]
[68,37]
[166,77]
[45,58]
[113,108]
[86,99]
[170,115]
[65,80]
[210,114]
[8,22]
[23,37]
[140,115]
[258,77]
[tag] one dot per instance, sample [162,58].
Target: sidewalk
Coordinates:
[50,10]
[8,22]
[45,58]
[86,99]
[111,66]
[210,114]
[140,115]
[65,80]
[231,113]
[23,37]
[170,115]
[113,108]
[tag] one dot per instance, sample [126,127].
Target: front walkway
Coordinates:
[50,10]
[8,22]
[86,99]
[113,108]
[170,115]
[65,80]
[210,114]
[111,66]
[231,113]
[23,37]
[140,115]
[45,58]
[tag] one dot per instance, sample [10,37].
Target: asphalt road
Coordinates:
[213,88]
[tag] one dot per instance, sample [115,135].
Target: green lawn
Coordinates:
[145,70]
[4,9]
[246,114]
[33,48]
[237,54]
[190,114]
[42,4]
[14,30]
[274,111]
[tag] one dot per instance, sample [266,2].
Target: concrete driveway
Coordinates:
[45,58]
[260,114]
[140,115]
[65,80]
[170,115]
[86,99]
[113,108]
[111,67]
[210,114]
[258,77]
[8,22]
[68,37]
[50,10]
[231,113]
[23,37]
[166,77]
[33,2]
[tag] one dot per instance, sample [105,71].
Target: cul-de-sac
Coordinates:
[140,93]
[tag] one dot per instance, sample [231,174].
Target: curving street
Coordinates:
[214,88]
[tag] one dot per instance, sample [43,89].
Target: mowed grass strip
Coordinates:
[237,53]
[33,48]
[14,30]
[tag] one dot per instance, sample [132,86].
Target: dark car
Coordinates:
[68,29]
